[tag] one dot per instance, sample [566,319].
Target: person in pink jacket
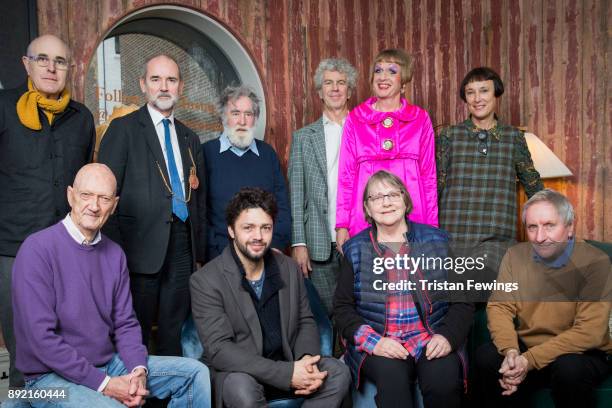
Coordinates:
[386,133]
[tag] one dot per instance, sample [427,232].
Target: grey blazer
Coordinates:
[229,328]
[308,191]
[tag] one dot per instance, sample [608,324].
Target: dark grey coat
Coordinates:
[229,328]
[141,223]
[36,166]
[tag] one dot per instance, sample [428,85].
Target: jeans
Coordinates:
[186,381]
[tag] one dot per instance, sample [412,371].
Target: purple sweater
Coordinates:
[72,308]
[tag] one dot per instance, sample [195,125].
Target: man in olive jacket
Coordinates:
[252,314]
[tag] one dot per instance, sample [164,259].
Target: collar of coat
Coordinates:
[272,283]
[367,114]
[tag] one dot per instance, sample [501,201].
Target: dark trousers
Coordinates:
[439,380]
[324,276]
[241,390]
[6,318]
[165,295]
[572,377]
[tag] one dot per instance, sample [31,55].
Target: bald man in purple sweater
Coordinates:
[74,323]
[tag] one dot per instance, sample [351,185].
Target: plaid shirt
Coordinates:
[477,192]
[402,318]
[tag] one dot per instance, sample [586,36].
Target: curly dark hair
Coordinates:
[250,197]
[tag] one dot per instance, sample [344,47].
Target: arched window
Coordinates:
[210,58]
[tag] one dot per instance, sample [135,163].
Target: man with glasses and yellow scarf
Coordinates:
[45,138]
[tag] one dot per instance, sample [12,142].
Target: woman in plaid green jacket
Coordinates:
[478,162]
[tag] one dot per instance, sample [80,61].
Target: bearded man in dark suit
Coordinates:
[161,216]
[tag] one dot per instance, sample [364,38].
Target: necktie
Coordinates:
[179,207]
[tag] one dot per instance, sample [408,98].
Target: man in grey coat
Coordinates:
[252,314]
[313,179]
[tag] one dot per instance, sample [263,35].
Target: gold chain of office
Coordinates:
[192,173]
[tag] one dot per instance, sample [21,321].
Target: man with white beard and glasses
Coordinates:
[161,218]
[235,160]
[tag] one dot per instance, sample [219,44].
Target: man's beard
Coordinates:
[240,139]
[244,250]
[163,104]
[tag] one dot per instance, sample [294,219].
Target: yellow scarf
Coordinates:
[28,103]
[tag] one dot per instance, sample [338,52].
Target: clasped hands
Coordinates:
[129,389]
[513,369]
[306,377]
[437,347]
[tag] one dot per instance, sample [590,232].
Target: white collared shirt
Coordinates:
[77,235]
[225,144]
[157,118]
[333,137]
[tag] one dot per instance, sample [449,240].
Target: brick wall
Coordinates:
[197,105]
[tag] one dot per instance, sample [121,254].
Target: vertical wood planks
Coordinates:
[595,130]
[552,55]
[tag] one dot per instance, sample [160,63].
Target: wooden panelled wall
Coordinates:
[552,54]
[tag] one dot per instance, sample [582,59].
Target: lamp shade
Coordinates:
[545,161]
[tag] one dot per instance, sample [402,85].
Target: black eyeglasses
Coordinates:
[43,61]
[483,145]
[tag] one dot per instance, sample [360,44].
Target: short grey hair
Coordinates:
[231,93]
[559,201]
[336,64]
[390,179]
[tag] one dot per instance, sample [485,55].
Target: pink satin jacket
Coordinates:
[405,148]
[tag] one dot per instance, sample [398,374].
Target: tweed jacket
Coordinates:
[229,328]
[308,191]
[477,192]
